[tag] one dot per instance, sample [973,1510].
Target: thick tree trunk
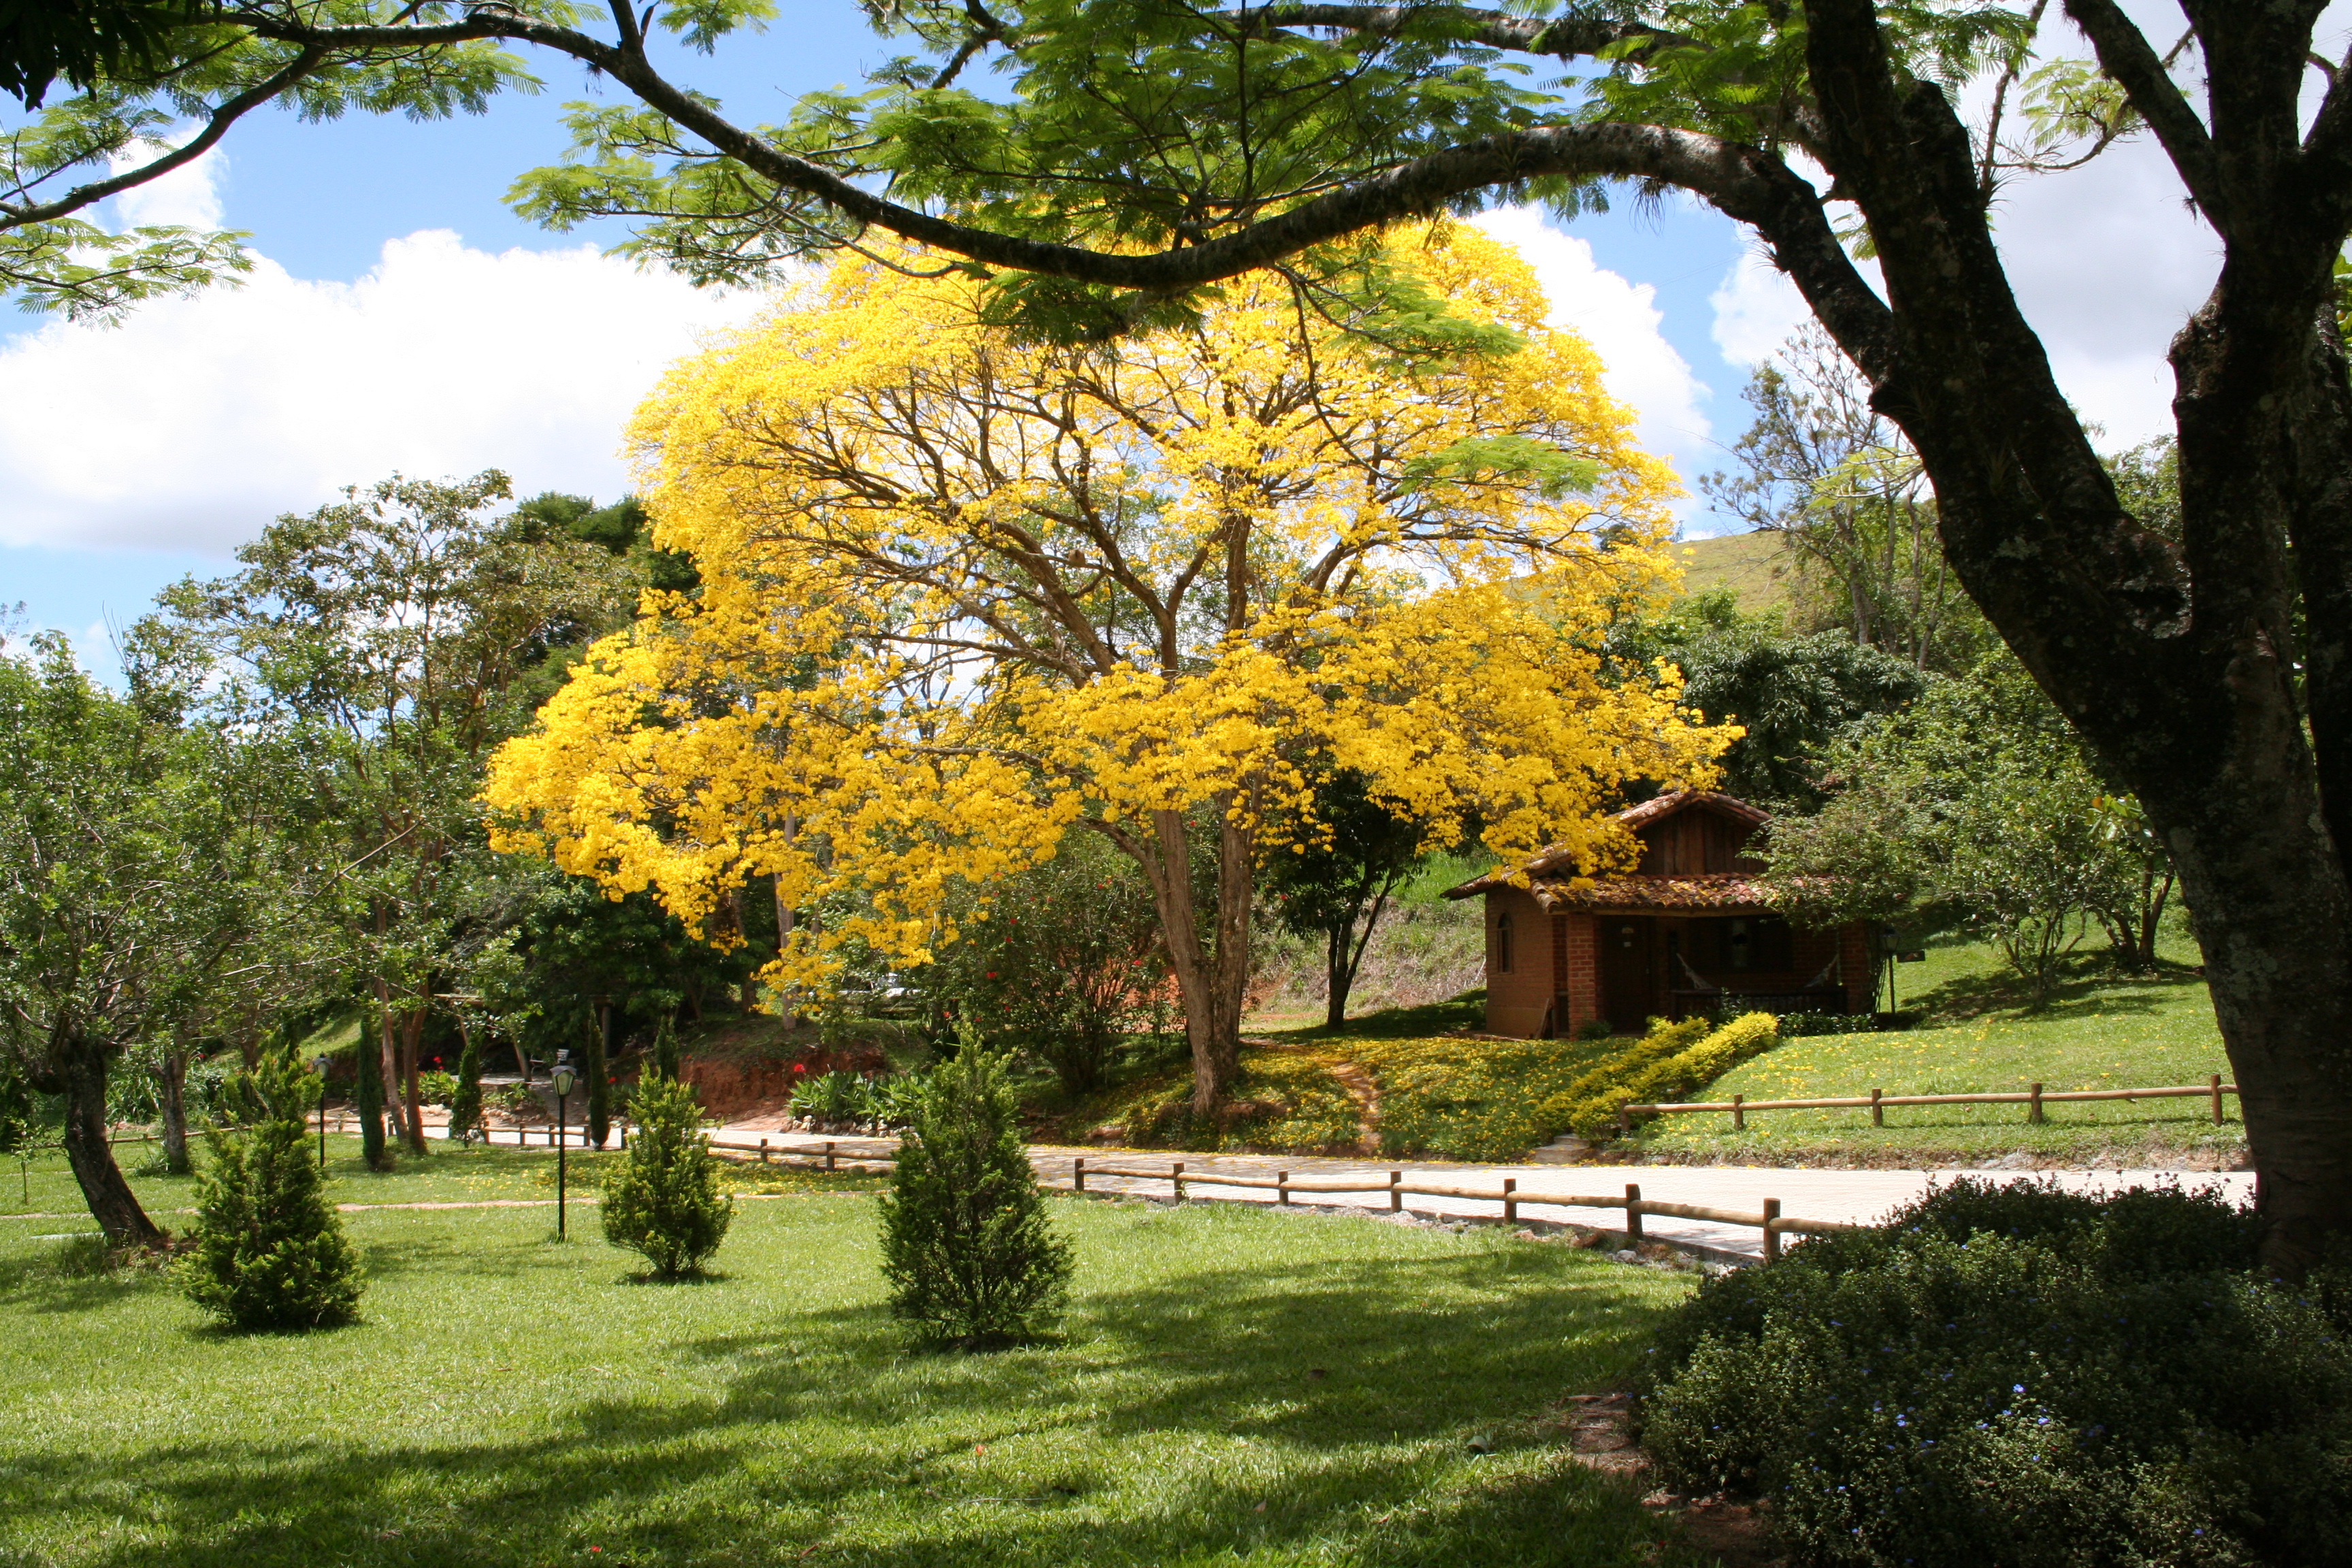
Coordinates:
[1212,975]
[412,1099]
[1339,975]
[175,1110]
[111,1202]
[2185,668]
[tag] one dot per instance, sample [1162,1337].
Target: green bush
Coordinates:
[2021,1376]
[966,1247]
[836,1101]
[664,1201]
[436,1088]
[270,1248]
[1661,1067]
[466,1096]
[895,1100]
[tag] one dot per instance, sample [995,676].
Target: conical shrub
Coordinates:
[270,1248]
[970,1257]
[665,1203]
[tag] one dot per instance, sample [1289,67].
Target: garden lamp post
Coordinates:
[319,1062]
[563,1078]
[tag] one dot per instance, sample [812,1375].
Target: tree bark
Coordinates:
[411,1100]
[82,1079]
[2179,667]
[175,1110]
[1212,975]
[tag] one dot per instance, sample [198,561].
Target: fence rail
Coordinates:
[1876,1101]
[1508,1195]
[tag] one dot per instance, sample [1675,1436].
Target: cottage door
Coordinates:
[1627,997]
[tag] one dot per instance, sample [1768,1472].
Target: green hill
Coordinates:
[1754,566]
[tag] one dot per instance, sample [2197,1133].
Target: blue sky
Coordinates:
[403,317]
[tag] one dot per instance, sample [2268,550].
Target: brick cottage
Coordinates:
[1687,930]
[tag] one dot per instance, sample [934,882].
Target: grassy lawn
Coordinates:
[1234,1385]
[447,1175]
[2101,1031]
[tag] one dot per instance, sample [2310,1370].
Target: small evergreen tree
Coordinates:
[970,1258]
[466,1105]
[270,1251]
[665,1048]
[596,1078]
[371,1094]
[665,1202]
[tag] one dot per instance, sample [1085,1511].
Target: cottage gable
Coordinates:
[1688,930]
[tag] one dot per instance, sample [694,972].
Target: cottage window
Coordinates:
[1503,943]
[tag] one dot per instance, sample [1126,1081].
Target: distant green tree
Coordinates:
[269,1247]
[1065,960]
[1794,695]
[1335,885]
[466,1107]
[147,868]
[368,1097]
[399,635]
[1978,807]
[665,1202]
[970,1255]
[1841,489]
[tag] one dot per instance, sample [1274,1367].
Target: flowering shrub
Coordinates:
[1676,1060]
[2022,1375]
[1472,1098]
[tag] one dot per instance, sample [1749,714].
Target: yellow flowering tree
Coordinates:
[964,594]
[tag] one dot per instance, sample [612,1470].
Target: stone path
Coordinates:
[1853,1196]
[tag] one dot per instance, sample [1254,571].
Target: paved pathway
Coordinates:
[1853,1197]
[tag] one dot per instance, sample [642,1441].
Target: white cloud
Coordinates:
[1756,310]
[2107,262]
[1619,319]
[188,197]
[199,420]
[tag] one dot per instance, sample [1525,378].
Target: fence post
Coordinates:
[1624,1122]
[1282,1187]
[1633,1214]
[828,1155]
[2034,1105]
[1176,1180]
[2216,1100]
[763,1151]
[1510,1199]
[1739,1113]
[1772,1234]
[1396,1191]
[624,1134]
[1079,1175]
[1877,1112]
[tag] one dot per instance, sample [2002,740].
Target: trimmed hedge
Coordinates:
[1674,1060]
[2021,1376]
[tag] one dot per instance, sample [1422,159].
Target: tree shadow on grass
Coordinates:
[2091,987]
[77,1275]
[1182,1419]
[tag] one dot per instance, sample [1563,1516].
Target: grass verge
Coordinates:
[2101,1031]
[1233,1385]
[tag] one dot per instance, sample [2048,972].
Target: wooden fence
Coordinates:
[1508,1195]
[1876,1101]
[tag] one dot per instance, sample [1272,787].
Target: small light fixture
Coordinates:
[563,1078]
